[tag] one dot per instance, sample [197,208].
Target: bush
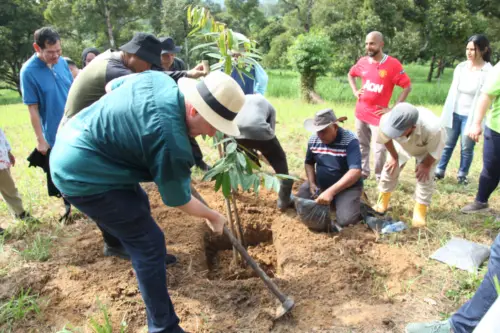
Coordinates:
[310,55]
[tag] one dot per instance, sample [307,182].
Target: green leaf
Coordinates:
[222,44]
[231,148]
[222,141]
[283,176]
[189,14]
[276,185]
[246,181]
[214,171]
[241,159]
[201,46]
[233,175]
[256,184]
[230,39]
[226,185]
[218,182]
[228,65]
[214,55]
[268,181]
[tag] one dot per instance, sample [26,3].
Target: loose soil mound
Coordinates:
[344,282]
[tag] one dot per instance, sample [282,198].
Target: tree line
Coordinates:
[433,32]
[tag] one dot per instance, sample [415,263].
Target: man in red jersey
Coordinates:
[379,73]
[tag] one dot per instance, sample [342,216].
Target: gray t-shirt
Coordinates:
[257,119]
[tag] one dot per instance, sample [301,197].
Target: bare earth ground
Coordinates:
[348,282]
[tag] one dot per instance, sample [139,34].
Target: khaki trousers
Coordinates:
[365,133]
[9,192]
[423,190]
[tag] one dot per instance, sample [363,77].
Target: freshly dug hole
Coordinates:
[219,254]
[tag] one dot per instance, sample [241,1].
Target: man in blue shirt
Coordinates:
[257,84]
[45,82]
[139,132]
[333,167]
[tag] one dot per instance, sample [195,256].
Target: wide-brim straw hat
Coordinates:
[218,99]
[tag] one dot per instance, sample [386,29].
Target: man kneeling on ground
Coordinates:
[409,132]
[139,132]
[256,122]
[333,167]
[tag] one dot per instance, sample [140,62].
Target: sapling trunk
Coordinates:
[236,258]
[238,221]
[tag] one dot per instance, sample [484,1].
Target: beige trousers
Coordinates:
[366,133]
[9,192]
[423,190]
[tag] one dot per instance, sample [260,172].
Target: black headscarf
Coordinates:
[87,51]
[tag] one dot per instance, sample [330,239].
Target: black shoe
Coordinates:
[25,216]
[203,166]
[170,260]
[120,252]
[462,180]
[438,176]
[115,251]
[2,230]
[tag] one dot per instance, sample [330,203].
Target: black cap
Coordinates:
[145,46]
[168,45]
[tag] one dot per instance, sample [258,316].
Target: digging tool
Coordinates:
[287,302]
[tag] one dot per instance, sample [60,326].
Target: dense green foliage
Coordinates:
[430,32]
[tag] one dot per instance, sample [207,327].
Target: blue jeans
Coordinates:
[126,215]
[466,144]
[490,175]
[470,314]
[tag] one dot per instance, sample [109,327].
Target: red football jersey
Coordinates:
[379,79]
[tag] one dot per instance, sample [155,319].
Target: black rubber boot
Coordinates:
[285,199]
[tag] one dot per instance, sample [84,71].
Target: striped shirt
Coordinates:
[335,159]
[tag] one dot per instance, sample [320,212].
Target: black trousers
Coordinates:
[270,149]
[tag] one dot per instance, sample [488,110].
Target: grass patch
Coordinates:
[466,285]
[9,97]
[38,249]
[18,308]
[103,324]
[285,83]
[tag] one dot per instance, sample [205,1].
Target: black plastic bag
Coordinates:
[316,217]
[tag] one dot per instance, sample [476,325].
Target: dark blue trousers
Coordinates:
[126,215]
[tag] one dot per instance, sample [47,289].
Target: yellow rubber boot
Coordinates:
[419,214]
[382,202]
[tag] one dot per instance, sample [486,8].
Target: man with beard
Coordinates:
[379,73]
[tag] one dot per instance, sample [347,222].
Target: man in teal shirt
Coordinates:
[139,132]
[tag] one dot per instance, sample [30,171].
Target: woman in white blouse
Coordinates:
[458,111]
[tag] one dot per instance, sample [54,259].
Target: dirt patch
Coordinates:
[340,282]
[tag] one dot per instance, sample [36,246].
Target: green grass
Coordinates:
[19,307]
[285,83]
[103,325]
[9,97]
[38,249]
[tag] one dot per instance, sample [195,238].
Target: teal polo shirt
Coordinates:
[136,133]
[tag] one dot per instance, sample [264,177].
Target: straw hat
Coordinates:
[218,99]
